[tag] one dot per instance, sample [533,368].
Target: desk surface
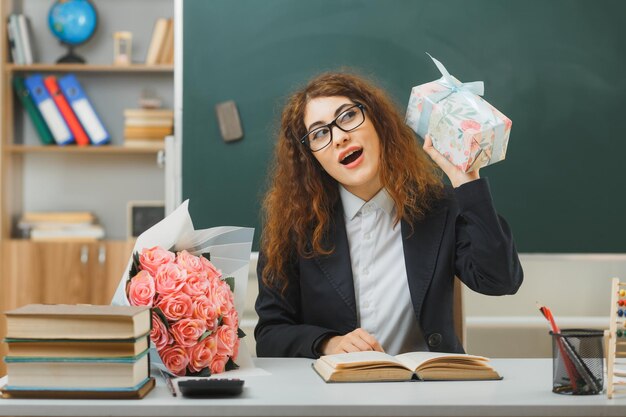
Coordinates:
[294,389]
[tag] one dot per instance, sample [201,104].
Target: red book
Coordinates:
[67,112]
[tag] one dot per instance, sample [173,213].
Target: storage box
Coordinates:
[464,128]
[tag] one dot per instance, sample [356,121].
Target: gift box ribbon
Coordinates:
[469,91]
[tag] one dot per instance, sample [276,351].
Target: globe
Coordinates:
[73,22]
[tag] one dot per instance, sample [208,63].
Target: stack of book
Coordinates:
[78,351]
[147,127]
[19,39]
[60,110]
[161,48]
[60,225]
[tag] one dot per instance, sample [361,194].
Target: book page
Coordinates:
[360,359]
[415,360]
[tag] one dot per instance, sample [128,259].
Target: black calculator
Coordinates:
[211,387]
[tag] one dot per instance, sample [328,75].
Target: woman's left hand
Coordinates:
[456,176]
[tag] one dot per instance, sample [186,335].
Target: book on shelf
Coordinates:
[83,321]
[91,232]
[157,41]
[74,373]
[72,348]
[51,114]
[84,110]
[132,393]
[13,34]
[166,55]
[149,114]
[24,34]
[426,366]
[35,116]
[71,217]
[64,107]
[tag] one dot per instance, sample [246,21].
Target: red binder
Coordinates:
[68,114]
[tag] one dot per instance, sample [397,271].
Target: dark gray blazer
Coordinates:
[462,235]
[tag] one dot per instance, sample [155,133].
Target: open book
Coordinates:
[426,366]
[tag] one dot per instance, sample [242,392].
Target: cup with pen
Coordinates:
[578,359]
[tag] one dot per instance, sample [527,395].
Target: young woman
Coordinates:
[362,241]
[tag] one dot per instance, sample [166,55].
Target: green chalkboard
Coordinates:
[557,68]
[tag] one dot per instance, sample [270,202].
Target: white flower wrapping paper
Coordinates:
[229,248]
[464,128]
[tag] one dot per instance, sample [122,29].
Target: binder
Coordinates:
[51,114]
[83,109]
[29,105]
[64,107]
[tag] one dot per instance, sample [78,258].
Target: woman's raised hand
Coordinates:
[456,176]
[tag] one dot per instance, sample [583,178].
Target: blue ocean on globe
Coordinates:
[72,21]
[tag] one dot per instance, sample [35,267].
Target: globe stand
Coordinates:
[70,57]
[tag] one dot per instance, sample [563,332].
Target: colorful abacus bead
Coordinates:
[619,333]
[620,303]
[622,293]
[620,312]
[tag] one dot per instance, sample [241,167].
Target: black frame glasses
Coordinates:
[305,140]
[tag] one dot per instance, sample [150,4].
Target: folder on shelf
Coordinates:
[157,41]
[83,109]
[64,107]
[51,114]
[29,105]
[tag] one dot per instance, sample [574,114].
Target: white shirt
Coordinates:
[384,307]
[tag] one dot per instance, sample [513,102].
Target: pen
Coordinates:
[168,382]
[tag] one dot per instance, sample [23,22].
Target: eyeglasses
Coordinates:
[349,119]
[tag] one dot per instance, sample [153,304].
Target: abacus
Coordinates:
[616,360]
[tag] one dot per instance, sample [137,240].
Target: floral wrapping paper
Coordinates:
[465,129]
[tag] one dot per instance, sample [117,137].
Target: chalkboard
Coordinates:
[557,68]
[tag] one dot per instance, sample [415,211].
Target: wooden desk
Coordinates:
[294,389]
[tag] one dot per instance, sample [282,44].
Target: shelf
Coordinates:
[22,149]
[125,69]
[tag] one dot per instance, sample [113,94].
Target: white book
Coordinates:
[25,37]
[15,30]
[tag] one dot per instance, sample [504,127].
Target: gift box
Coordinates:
[464,128]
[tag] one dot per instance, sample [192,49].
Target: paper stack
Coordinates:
[78,351]
[60,225]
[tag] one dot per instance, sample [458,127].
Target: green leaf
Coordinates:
[205,335]
[230,365]
[207,255]
[134,269]
[240,333]
[159,313]
[203,372]
[231,283]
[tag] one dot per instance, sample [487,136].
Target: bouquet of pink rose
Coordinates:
[195,326]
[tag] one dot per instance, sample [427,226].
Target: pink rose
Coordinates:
[235,354]
[218,364]
[223,298]
[159,333]
[170,279]
[210,269]
[189,262]
[204,309]
[226,337]
[175,359]
[197,283]
[201,355]
[470,124]
[141,290]
[231,319]
[175,306]
[187,331]
[151,259]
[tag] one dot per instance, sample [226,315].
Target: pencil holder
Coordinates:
[578,362]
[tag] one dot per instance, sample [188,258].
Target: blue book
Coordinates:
[48,109]
[84,110]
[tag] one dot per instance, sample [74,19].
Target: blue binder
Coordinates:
[48,109]
[84,110]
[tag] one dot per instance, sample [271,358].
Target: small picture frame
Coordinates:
[142,215]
